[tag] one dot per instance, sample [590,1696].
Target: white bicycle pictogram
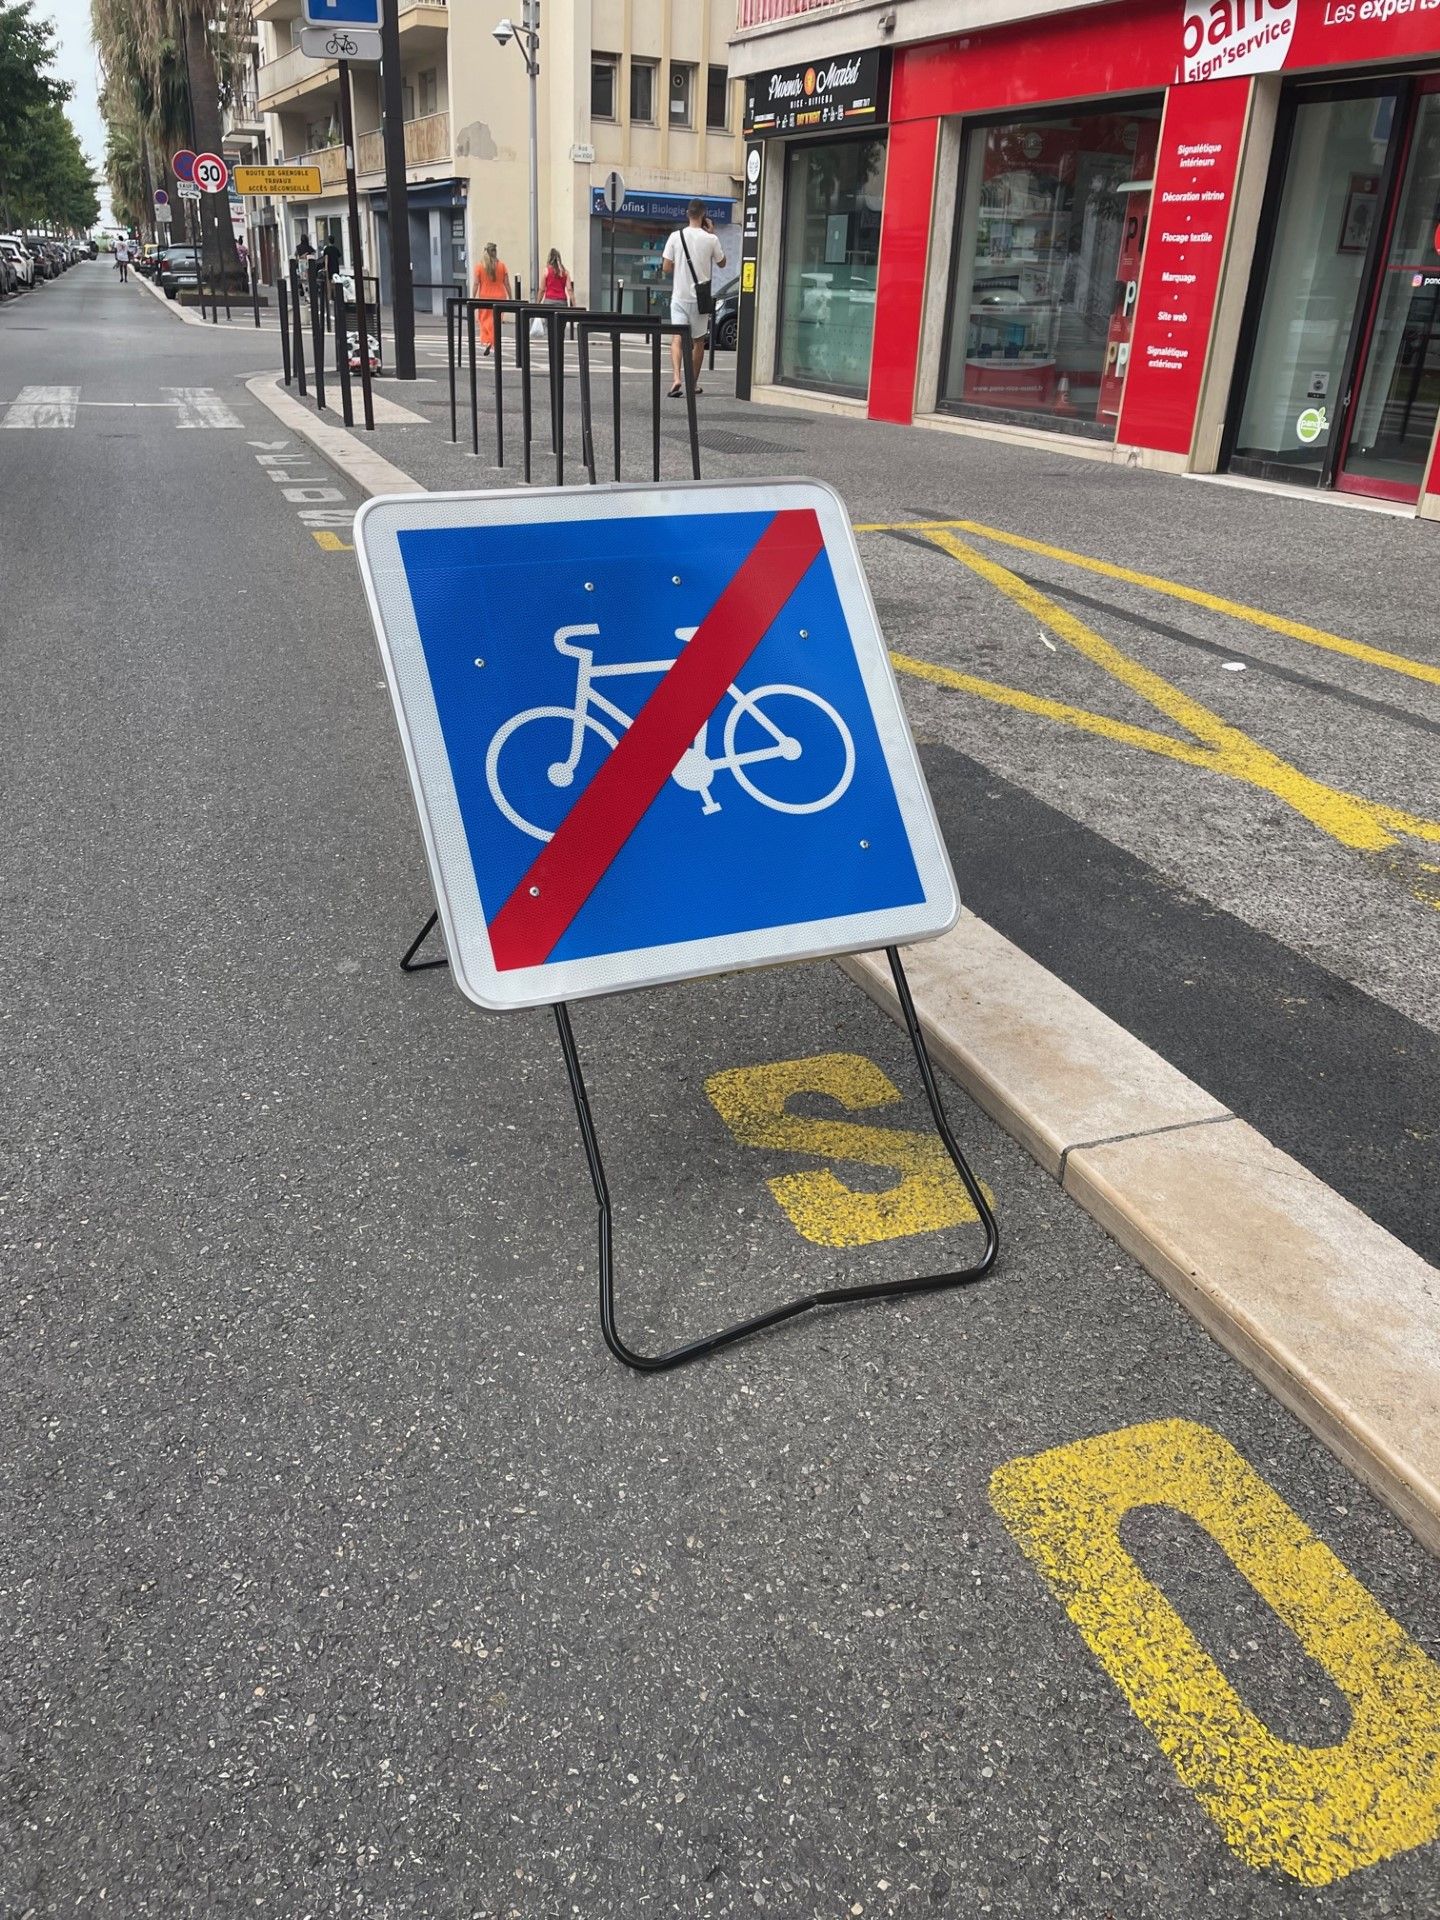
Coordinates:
[696,769]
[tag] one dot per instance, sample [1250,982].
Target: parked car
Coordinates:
[20,259]
[179,267]
[727,317]
[9,276]
[149,261]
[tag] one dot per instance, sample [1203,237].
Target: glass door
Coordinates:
[1322,238]
[1392,423]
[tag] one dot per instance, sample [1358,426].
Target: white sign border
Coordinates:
[377,527]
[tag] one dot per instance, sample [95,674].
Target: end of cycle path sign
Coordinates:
[652,733]
[341,13]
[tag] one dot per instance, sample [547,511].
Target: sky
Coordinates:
[75,62]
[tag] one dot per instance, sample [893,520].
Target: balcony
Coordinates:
[293,75]
[330,161]
[244,111]
[427,141]
[763,13]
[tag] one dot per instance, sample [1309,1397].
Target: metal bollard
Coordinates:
[282,307]
[342,359]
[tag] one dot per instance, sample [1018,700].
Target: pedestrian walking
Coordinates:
[557,289]
[332,256]
[692,253]
[122,259]
[491,282]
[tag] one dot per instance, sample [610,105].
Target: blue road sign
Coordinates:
[652,733]
[341,13]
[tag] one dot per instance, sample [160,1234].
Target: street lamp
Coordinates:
[526,37]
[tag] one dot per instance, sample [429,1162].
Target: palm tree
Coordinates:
[167,66]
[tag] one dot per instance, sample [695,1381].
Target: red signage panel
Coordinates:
[1190,209]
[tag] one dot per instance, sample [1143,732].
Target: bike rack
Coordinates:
[460,338]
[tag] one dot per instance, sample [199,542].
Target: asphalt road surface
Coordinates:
[343,1572]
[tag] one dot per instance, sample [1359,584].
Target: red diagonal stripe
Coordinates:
[566,872]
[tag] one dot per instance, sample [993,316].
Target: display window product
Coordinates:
[834,191]
[1052,219]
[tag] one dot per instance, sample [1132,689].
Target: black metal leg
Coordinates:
[829,1296]
[522,348]
[497,320]
[410,964]
[655,402]
[474,397]
[587,424]
[687,353]
[615,396]
[452,319]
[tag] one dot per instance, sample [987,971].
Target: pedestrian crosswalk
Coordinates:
[52,407]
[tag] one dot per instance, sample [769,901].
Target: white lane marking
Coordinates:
[128,403]
[42,407]
[201,407]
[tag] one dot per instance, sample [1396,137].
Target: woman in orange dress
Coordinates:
[492,282]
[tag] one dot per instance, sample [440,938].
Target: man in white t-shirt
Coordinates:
[692,253]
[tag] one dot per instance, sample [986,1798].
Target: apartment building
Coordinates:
[639,85]
[1196,235]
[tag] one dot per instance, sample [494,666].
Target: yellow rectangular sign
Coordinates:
[280,180]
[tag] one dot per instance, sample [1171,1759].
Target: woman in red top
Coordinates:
[558,289]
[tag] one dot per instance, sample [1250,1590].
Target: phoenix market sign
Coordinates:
[850,91]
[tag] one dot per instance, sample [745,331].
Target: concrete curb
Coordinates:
[186,314]
[1333,1315]
[371,472]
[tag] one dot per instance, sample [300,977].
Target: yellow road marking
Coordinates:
[1316,1813]
[928,1195]
[1197,596]
[331,542]
[1346,817]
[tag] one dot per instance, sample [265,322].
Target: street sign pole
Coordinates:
[362,312]
[614,192]
[397,195]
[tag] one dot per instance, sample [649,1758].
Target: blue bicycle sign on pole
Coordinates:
[654,733]
[341,13]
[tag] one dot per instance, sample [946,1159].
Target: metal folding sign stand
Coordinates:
[827,1296]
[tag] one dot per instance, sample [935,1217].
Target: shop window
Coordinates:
[429,91]
[642,90]
[1047,265]
[833,196]
[682,92]
[602,86]
[717,99]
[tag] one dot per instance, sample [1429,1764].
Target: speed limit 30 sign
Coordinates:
[210,173]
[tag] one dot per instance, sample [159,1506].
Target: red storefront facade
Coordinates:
[1195,234]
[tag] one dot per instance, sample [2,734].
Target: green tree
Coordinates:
[168,66]
[44,177]
[27,48]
